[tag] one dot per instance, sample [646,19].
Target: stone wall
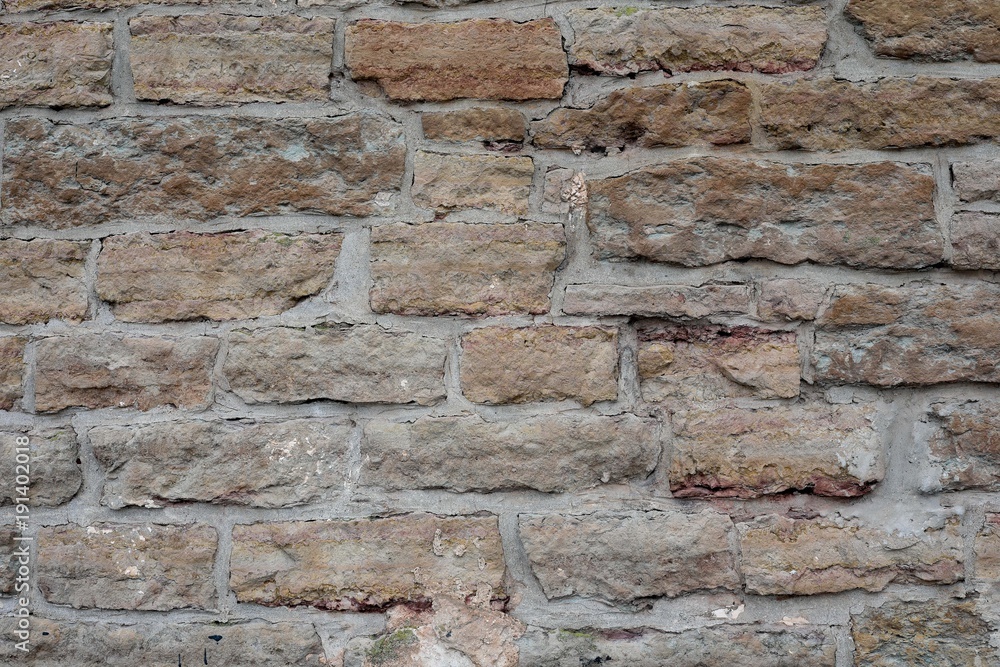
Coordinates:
[371,333]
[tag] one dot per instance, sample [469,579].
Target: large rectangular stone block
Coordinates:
[61,175]
[238,275]
[919,333]
[360,364]
[367,564]
[266,464]
[626,40]
[627,558]
[127,566]
[443,268]
[57,64]
[549,453]
[703,211]
[42,279]
[211,59]
[827,114]
[431,61]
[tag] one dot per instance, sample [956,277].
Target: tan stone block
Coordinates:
[490,182]
[431,61]
[476,124]
[678,301]
[510,365]
[11,371]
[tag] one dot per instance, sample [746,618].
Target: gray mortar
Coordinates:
[846,56]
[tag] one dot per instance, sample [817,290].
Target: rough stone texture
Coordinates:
[213,59]
[490,182]
[61,176]
[59,64]
[975,239]
[450,634]
[122,566]
[628,558]
[935,632]
[672,114]
[510,365]
[42,280]
[963,442]
[678,301]
[708,210]
[790,299]
[183,276]
[976,181]
[550,453]
[920,333]
[784,556]
[56,643]
[54,468]
[751,646]
[709,362]
[360,364]
[446,268]
[476,124]
[824,114]
[932,30]
[262,465]
[987,549]
[11,368]
[430,61]
[8,567]
[109,370]
[629,40]
[745,453]
[367,564]
[35,5]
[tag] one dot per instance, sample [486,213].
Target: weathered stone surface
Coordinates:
[975,240]
[549,453]
[709,362]
[367,564]
[59,64]
[932,30]
[9,562]
[35,5]
[751,646]
[824,114]
[476,124]
[360,364]
[443,268]
[679,301]
[807,556]
[216,276]
[945,633]
[262,465]
[627,558]
[42,280]
[11,369]
[919,333]
[545,363]
[745,453]
[450,633]
[226,59]
[987,549]
[430,61]
[708,210]
[57,643]
[61,176]
[54,469]
[671,114]
[123,566]
[963,443]
[627,40]
[976,181]
[491,182]
[109,370]
[790,299]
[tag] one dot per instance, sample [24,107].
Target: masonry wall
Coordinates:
[504,333]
